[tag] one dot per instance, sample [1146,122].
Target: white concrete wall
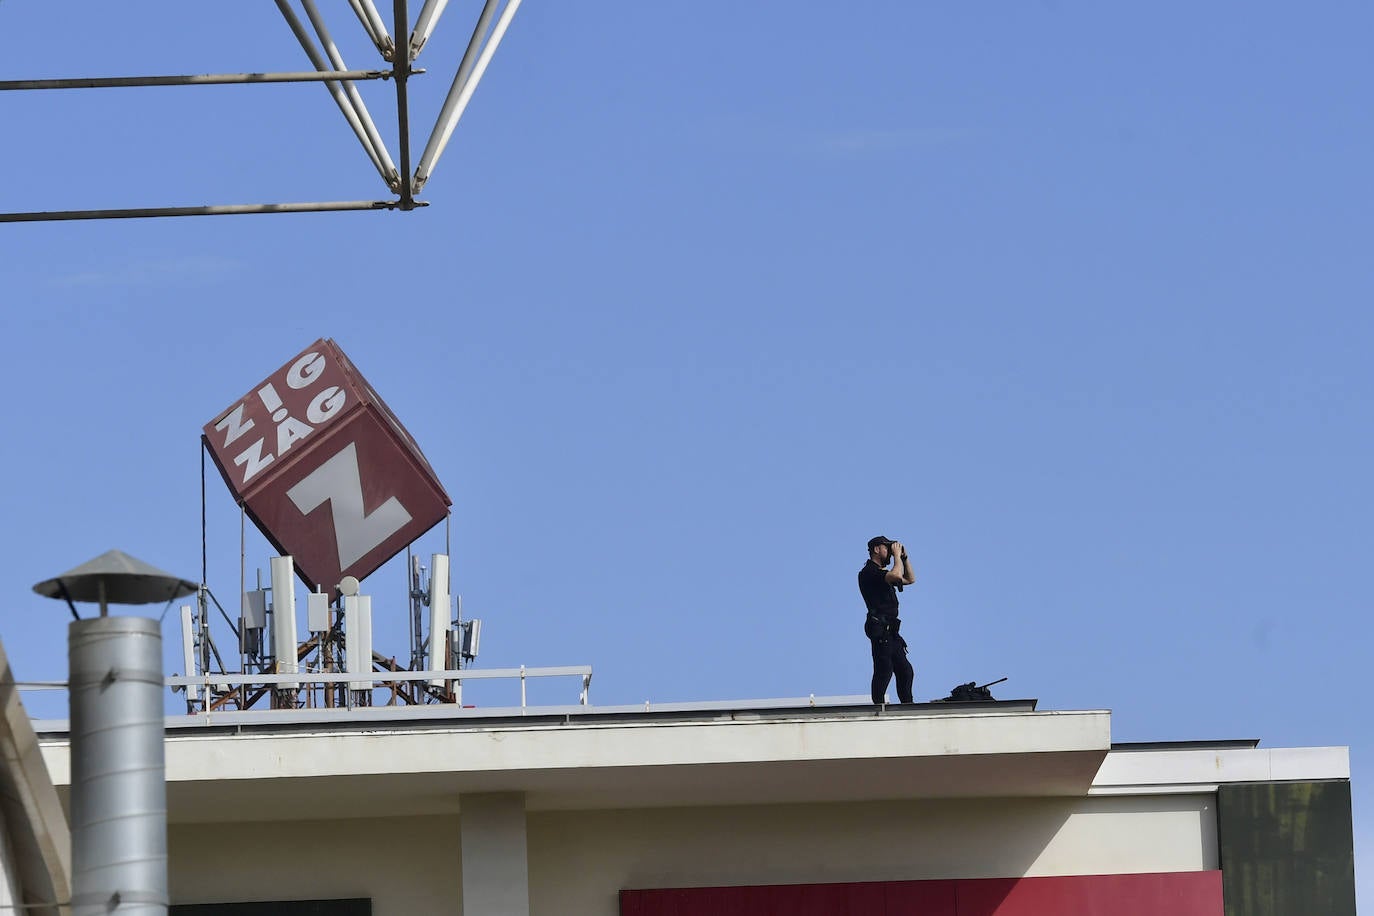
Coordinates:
[496,877]
[579,860]
[408,866]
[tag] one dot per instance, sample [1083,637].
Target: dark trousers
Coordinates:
[889,658]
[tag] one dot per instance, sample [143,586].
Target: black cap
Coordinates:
[879,540]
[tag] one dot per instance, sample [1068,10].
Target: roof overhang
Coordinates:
[1202,766]
[717,757]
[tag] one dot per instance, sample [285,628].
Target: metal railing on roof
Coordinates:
[357,699]
[371,679]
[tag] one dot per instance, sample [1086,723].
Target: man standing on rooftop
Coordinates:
[879,586]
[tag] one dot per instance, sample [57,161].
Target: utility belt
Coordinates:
[879,627]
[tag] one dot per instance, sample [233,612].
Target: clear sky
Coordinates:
[1073,298]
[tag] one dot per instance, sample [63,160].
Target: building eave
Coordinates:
[669,758]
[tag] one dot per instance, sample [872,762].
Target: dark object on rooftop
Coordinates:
[971,692]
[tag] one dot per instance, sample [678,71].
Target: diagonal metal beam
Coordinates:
[424,25]
[328,206]
[354,99]
[464,84]
[367,26]
[308,45]
[199,79]
[366,11]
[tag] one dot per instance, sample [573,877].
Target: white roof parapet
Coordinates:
[448,713]
[1155,770]
[631,759]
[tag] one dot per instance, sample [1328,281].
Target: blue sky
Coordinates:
[1073,299]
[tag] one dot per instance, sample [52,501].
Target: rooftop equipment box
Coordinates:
[325,469]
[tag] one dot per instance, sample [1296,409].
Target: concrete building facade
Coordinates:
[941,809]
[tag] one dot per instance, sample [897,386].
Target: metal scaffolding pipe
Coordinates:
[400,69]
[464,84]
[367,25]
[475,42]
[424,25]
[212,210]
[366,11]
[118,793]
[198,79]
[356,100]
[308,45]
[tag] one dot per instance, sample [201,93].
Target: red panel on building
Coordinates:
[911,898]
[324,467]
[1172,894]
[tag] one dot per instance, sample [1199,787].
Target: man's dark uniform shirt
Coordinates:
[878,594]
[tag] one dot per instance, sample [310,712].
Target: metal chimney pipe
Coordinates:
[118,795]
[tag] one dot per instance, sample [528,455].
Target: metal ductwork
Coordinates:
[118,791]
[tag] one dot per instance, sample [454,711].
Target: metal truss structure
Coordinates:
[492,24]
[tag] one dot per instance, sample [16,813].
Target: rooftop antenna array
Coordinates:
[339,642]
[492,23]
[299,452]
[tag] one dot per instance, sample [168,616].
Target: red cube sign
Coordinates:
[325,469]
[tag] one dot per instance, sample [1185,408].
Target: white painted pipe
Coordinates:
[459,94]
[385,44]
[308,45]
[331,51]
[424,25]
